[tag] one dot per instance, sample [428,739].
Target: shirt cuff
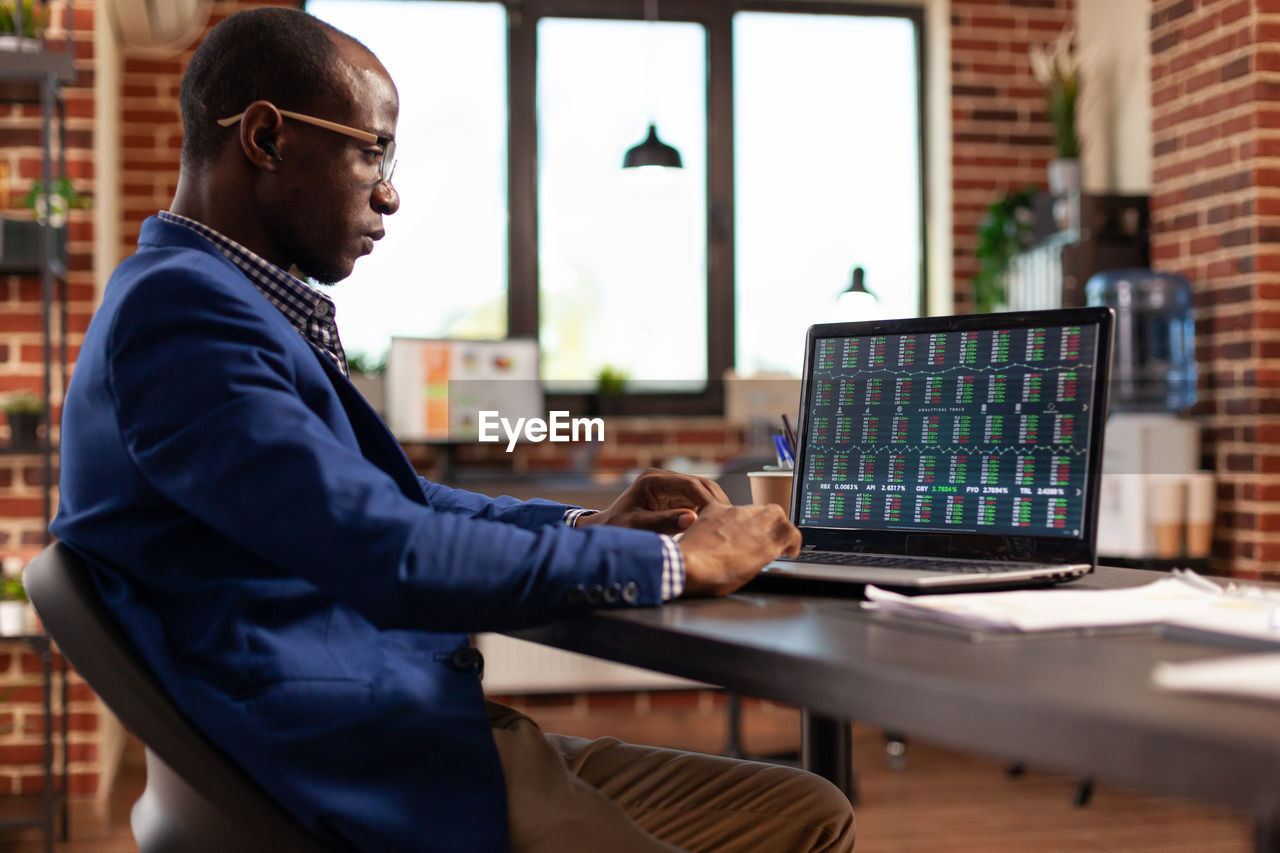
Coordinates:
[672,568]
[571,516]
[672,556]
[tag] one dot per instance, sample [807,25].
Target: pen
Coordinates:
[785,459]
[789,433]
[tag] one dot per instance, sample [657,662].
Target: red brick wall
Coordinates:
[151,129]
[22,726]
[22,476]
[1000,132]
[1216,219]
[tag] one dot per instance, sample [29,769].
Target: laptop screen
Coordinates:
[978,426]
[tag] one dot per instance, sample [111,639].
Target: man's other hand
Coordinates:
[661,501]
[729,545]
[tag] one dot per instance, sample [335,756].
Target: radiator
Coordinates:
[1033,280]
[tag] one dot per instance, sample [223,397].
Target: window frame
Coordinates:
[716,17]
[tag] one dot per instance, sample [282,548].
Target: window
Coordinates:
[622,254]
[827,176]
[799,127]
[441,271]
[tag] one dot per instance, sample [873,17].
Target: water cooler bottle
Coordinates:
[1155,503]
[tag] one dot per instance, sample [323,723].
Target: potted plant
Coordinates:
[1005,231]
[610,383]
[1057,70]
[13,607]
[21,239]
[23,411]
[28,17]
[62,198]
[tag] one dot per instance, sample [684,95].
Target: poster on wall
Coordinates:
[436,388]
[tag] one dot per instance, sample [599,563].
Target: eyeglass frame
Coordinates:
[388,143]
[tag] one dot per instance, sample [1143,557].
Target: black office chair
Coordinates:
[196,800]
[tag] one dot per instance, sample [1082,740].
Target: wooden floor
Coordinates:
[938,800]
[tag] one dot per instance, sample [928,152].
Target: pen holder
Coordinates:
[771,487]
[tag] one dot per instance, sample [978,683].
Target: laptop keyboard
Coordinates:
[892,562]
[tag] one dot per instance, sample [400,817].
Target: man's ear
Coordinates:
[260,135]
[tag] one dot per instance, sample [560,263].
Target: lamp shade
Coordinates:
[652,152]
[855,302]
[858,284]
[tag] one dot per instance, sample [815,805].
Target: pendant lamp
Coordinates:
[855,301]
[652,151]
[858,284]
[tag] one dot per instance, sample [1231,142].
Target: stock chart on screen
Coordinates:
[966,431]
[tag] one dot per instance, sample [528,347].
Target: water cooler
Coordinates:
[1156,505]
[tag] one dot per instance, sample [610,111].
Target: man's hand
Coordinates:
[661,501]
[729,545]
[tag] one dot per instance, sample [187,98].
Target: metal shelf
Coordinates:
[33,71]
[42,810]
[32,268]
[22,73]
[38,450]
[19,810]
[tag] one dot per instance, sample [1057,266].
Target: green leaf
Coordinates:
[1004,231]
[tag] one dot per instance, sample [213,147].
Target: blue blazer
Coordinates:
[296,587]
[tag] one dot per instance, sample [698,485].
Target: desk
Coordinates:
[1078,704]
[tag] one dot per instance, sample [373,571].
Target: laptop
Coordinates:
[944,454]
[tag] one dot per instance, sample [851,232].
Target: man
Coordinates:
[299,591]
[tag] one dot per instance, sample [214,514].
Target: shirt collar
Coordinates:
[307,309]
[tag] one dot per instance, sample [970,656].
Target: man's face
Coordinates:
[327,209]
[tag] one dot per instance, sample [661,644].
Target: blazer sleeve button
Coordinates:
[463,659]
[631,592]
[613,593]
[594,594]
[576,595]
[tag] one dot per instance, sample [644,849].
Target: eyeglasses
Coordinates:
[385,169]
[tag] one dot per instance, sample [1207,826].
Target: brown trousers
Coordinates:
[568,794]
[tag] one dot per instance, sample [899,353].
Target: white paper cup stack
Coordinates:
[1166,496]
[1200,507]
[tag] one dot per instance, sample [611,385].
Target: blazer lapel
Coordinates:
[377,443]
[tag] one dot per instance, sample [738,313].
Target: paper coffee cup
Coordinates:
[1166,496]
[1201,497]
[771,487]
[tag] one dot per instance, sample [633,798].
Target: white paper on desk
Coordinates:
[1256,675]
[1250,612]
[1164,600]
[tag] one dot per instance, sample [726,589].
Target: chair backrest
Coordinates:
[196,798]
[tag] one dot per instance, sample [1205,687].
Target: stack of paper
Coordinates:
[1183,599]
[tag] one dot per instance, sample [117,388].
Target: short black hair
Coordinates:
[280,55]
